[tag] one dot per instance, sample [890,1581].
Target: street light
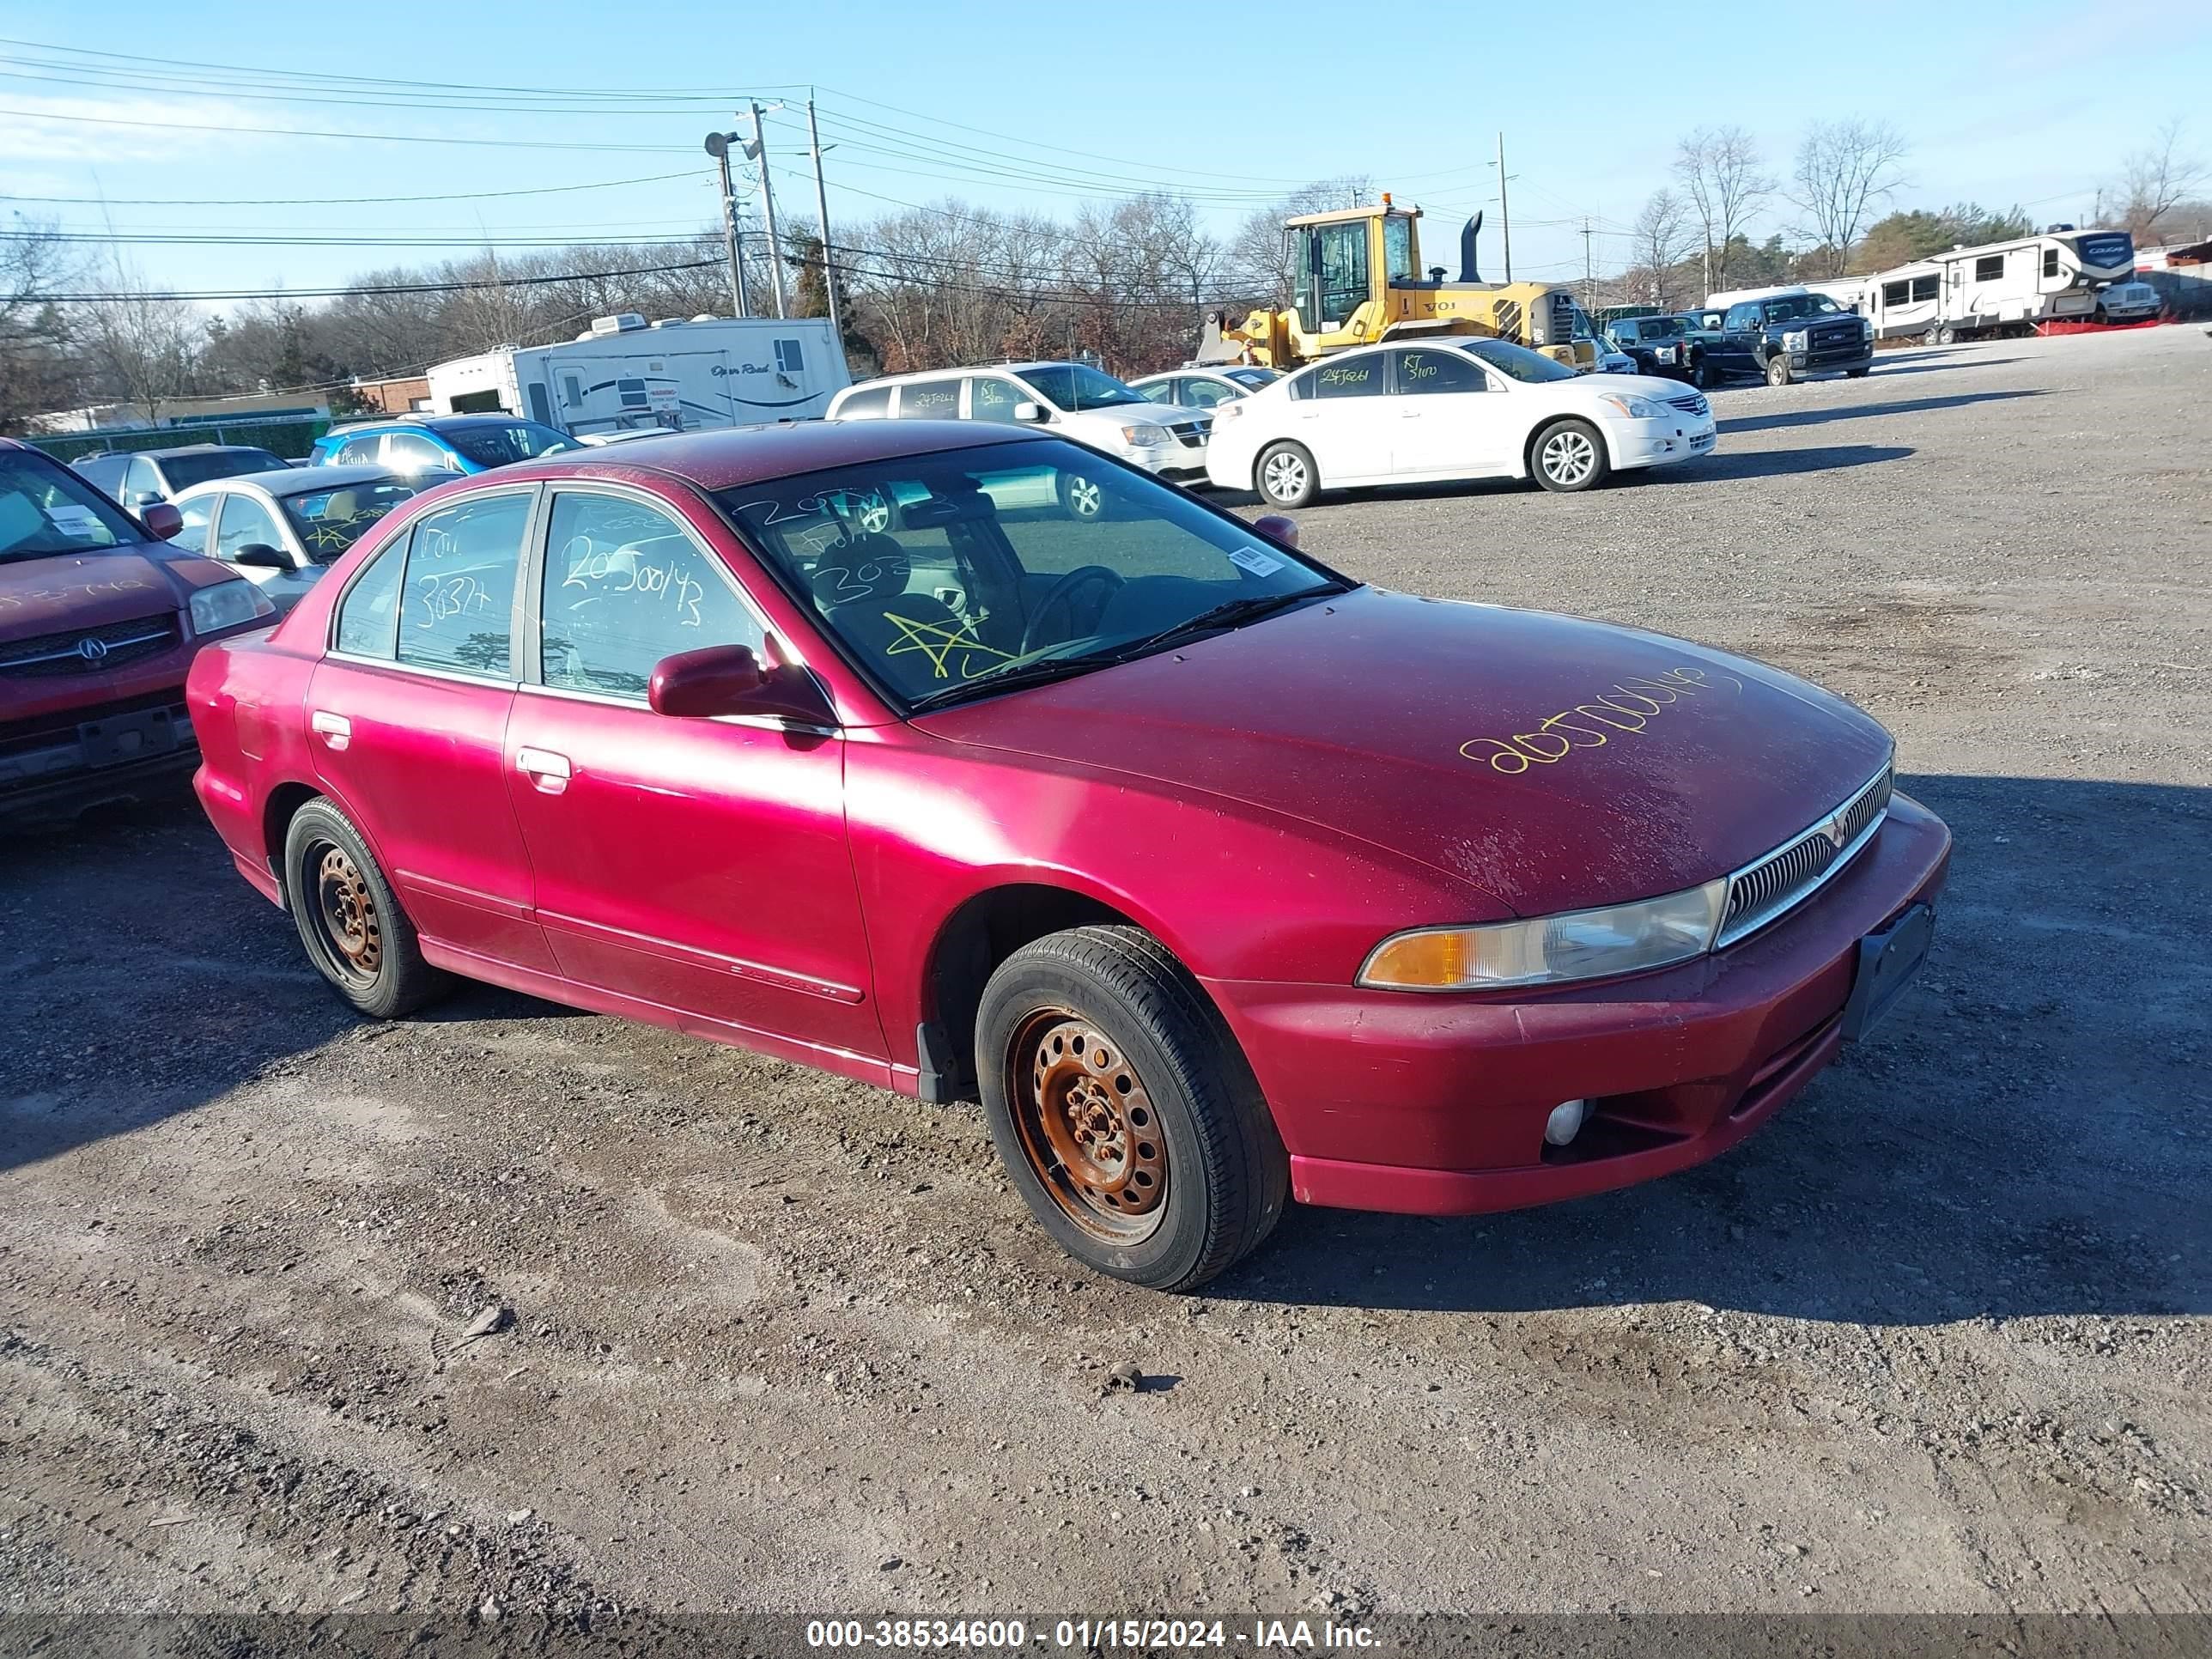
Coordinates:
[718,146]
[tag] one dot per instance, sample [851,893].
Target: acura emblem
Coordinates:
[90,649]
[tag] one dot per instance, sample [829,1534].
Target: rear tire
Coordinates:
[1568,456]
[1082,497]
[1947,335]
[351,923]
[1858,374]
[1777,371]
[1285,475]
[1127,1118]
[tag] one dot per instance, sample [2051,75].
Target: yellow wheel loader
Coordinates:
[1360,282]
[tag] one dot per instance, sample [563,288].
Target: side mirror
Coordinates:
[729,679]
[1031,413]
[261,556]
[1283,531]
[162,521]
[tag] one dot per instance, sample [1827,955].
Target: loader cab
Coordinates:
[1344,259]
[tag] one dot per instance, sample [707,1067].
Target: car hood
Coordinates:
[1144,414]
[89,590]
[1550,762]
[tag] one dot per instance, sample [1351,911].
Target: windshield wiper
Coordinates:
[1230,613]
[1029,673]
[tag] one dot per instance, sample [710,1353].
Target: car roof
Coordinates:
[733,456]
[301,480]
[964,368]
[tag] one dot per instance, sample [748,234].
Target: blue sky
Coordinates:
[1035,106]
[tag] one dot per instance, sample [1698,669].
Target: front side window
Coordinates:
[1425,374]
[929,400]
[456,610]
[1989,268]
[990,398]
[411,451]
[329,521]
[995,566]
[625,586]
[246,523]
[1518,362]
[1350,377]
[45,509]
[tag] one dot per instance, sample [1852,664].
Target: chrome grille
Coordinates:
[1784,878]
[88,650]
[1694,403]
[1192,433]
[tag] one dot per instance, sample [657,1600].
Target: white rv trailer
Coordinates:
[1999,285]
[626,373]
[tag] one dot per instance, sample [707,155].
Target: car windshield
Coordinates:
[185,470]
[1801,304]
[502,443]
[45,509]
[1255,378]
[329,521]
[1073,387]
[1517,361]
[956,574]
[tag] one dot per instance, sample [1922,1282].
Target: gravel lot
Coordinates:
[1936,1339]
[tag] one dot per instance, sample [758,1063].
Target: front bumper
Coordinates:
[1832,359]
[1436,1105]
[132,753]
[1659,443]
[1176,460]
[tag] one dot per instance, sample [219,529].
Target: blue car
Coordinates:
[410,444]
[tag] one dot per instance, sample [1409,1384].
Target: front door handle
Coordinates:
[335,729]
[547,770]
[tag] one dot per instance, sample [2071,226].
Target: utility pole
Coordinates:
[759,151]
[822,221]
[1589,277]
[718,146]
[1505,213]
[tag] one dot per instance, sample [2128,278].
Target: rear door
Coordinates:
[699,865]
[1344,418]
[408,712]
[1451,422]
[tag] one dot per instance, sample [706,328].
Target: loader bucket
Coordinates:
[1213,347]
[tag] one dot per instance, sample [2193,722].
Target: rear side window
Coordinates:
[458,608]
[197,513]
[930,400]
[1356,377]
[870,403]
[368,615]
[357,452]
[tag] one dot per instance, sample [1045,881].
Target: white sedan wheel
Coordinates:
[1569,457]
[1283,479]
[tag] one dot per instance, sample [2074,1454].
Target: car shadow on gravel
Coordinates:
[2027,1135]
[1864,412]
[1764,464]
[141,977]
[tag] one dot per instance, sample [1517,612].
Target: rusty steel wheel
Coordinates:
[347,911]
[1087,1127]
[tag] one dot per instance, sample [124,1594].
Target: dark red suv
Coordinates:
[99,620]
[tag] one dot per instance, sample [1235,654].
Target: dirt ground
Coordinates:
[1935,1340]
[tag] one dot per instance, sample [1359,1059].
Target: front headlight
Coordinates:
[1621,938]
[225,605]
[1793,340]
[1637,409]
[1145,437]
[1866,329]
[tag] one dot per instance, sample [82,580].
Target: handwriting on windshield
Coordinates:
[1627,706]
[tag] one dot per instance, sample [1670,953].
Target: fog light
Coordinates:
[1565,1121]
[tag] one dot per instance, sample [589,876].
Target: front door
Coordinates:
[697,865]
[408,712]
[1449,421]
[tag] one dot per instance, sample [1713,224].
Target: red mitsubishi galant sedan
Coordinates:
[1217,877]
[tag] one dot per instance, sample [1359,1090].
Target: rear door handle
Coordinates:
[544,769]
[335,729]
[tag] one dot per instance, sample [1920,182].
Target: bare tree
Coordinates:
[2155,180]
[1719,168]
[1258,256]
[34,368]
[1844,169]
[144,344]
[1662,236]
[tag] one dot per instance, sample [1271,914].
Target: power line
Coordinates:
[363,137]
[345,293]
[334,201]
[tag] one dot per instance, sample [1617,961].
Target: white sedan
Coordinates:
[281,530]
[1455,407]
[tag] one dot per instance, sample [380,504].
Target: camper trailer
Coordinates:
[625,373]
[2000,286]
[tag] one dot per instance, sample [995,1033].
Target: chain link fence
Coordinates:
[288,439]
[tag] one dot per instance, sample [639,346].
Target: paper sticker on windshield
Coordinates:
[1259,563]
[73,520]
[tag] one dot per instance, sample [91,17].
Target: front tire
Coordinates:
[1947,335]
[351,923]
[1082,497]
[1126,1116]
[1568,456]
[1858,374]
[1284,475]
[1777,371]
